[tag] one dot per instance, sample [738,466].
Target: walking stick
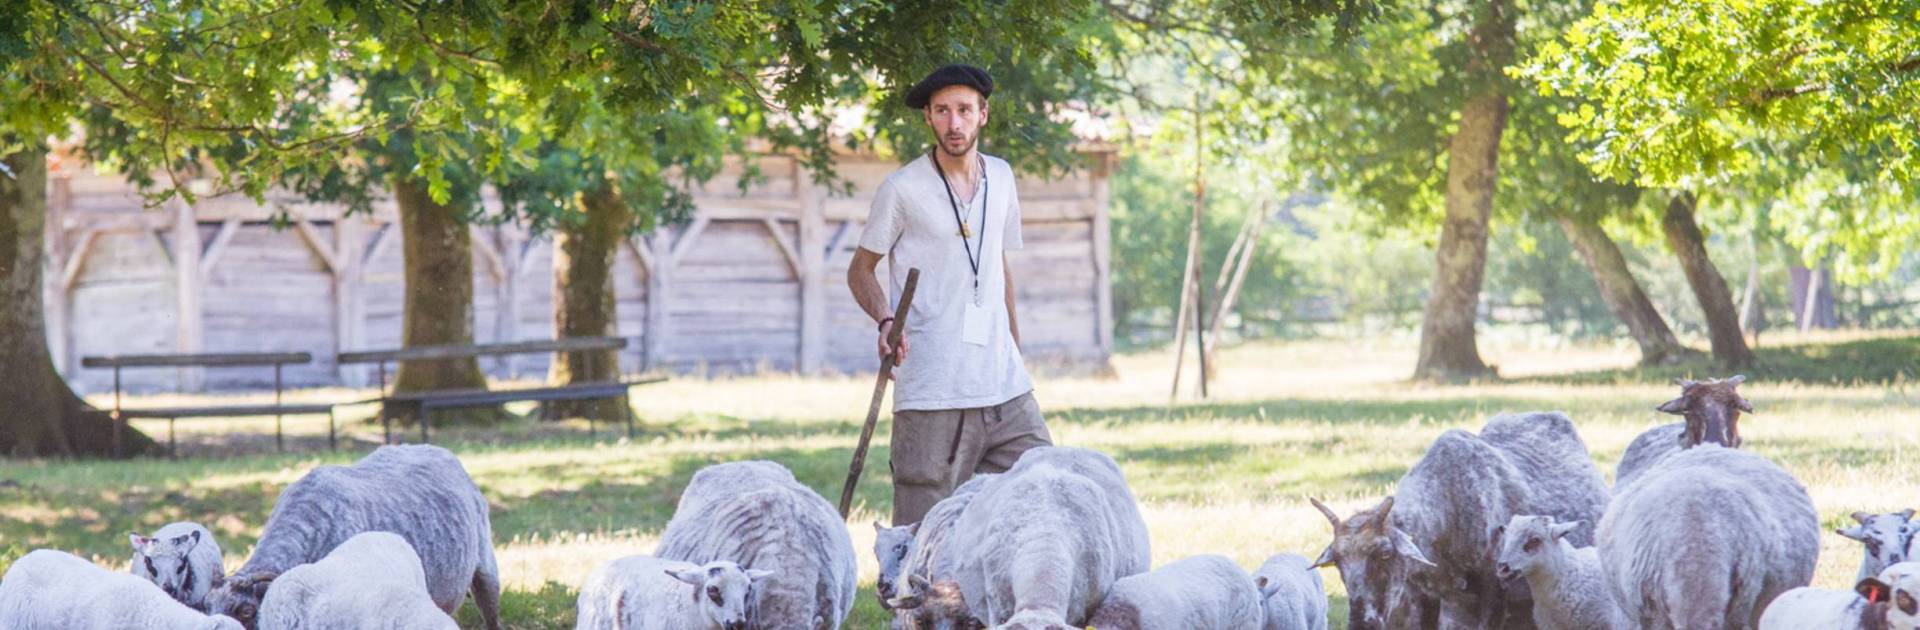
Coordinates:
[879,391]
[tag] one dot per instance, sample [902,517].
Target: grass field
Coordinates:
[1231,476]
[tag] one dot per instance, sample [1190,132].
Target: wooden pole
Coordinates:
[879,392]
[1256,222]
[1189,279]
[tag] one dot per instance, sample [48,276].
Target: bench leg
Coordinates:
[279,441]
[426,418]
[332,443]
[593,430]
[628,407]
[386,425]
[171,453]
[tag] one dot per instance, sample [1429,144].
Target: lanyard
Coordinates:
[973,259]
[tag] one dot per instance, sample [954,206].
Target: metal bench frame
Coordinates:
[425,403]
[278,409]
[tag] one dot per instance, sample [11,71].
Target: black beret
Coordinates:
[949,75]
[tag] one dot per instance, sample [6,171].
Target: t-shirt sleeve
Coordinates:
[1013,240]
[884,220]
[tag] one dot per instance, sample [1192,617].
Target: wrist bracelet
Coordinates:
[883,323]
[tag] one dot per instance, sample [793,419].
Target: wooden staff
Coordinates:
[879,391]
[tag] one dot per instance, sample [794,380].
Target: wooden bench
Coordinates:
[279,409]
[423,404]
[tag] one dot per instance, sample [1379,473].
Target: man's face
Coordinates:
[956,113]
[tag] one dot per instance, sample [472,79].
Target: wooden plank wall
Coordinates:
[754,282]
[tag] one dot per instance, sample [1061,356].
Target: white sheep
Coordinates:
[54,590]
[1291,593]
[1197,593]
[1037,548]
[891,546]
[1885,538]
[648,593]
[372,581]
[1706,539]
[1569,589]
[923,555]
[182,558]
[1889,600]
[758,515]
[420,492]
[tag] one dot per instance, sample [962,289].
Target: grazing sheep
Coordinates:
[912,548]
[757,514]
[1037,548]
[1706,539]
[419,492]
[373,581]
[1890,600]
[1420,559]
[1197,593]
[1712,410]
[1291,593]
[648,593]
[53,590]
[1885,537]
[1569,590]
[182,558]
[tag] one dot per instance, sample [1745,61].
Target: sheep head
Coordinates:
[891,546]
[1524,541]
[928,605]
[239,597]
[724,592]
[1884,535]
[164,561]
[1712,409]
[1378,563]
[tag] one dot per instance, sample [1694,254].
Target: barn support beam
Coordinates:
[812,258]
[188,286]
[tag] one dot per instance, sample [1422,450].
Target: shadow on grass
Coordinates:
[1867,361]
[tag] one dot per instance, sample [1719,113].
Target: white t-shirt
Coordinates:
[912,222]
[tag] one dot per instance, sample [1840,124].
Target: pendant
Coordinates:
[965,230]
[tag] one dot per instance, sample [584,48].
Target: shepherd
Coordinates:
[963,403]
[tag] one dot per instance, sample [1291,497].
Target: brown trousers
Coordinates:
[934,452]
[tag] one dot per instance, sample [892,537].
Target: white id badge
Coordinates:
[974,329]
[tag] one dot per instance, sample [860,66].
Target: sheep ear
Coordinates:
[758,574]
[1736,379]
[1742,404]
[906,602]
[1494,535]
[1906,514]
[1853,533]
[185,542]
[1405,545]
[1676,406]
[1873,590]
[1260,583]
[1861,517]
[1904,601]
[693,576]
[138,542]
[877,527]
[1560,530]
[1326,559]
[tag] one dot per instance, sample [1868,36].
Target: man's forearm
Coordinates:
[1013,320]
[868,293]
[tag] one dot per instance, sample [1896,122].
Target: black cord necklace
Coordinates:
[973,259]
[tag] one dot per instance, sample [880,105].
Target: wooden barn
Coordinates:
[754,282]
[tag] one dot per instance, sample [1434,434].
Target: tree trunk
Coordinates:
[40,415]
[438,253]
[1716,302]
[1622,292]
[583,304]
[1818,284]
[1447,350]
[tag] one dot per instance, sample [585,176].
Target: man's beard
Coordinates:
[966,145]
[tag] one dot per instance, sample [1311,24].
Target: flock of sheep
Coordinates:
[1513,527]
